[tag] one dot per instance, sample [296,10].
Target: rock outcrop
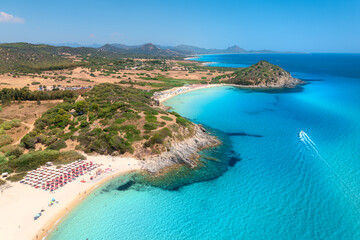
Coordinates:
[263,75]
[184,152]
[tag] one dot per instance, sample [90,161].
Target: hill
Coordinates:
[180,50]
[20,58]
[148,49]
[25,57]
[263,74]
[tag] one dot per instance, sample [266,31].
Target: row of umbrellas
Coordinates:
[51,178]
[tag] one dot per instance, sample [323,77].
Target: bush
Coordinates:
[151,112]
[150,118]
[166,118]
[28,142]
[84,124]
[10,124]
[5,140]
[175,114]
[57,145]
[12,151]
[158,137]
[132,133]
[2,159]
[182,121]
[120,120]
[33,160]
[50,140]
[150,126]
[129,116]
[16,177]
[119,144]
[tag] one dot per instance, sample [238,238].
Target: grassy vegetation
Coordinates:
[16,177]
[5,140]
[23,58]
[166,118]
[107,121]
[36,159]
[261,72]
[24,94]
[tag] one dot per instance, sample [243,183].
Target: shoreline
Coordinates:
[71,195]
[19,203]
[180,90]
[57,219]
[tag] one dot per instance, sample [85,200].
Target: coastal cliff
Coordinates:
[264,75]
[184,152]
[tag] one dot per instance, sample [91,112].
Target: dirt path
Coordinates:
[30,126]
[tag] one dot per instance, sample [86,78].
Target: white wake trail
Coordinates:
[312,148]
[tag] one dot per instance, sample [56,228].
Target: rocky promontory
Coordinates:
[185,152]
[264,75]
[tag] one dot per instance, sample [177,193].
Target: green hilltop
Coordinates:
[262,74]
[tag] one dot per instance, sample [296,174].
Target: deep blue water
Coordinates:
[280,186]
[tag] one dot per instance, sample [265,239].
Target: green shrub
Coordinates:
[120,120]
[5,140]
[150,118]
[182,121]
[2,159]
[33,160]
[119,144]
[16,177]
[11,150]
[81,107]
[57,145]
[50,140]
[10,124]
[175,114]
[166,118]
[84,124]
[151,112]
[129,116]
[150,126]
[132,133]
[158,137]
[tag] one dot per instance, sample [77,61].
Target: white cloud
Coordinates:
[8,18]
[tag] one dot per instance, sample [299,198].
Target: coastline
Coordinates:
[19,203]
[167,94]
[71,195]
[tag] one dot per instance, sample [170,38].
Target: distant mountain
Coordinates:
[75,45]
[234,49]
[151,49]
[146,49]
[194,50]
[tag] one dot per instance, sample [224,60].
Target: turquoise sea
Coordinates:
[269,182]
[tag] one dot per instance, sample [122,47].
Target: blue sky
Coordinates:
[285,25]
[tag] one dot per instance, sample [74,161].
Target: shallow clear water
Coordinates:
[284,187]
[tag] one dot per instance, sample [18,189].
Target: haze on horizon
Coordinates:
[280,25]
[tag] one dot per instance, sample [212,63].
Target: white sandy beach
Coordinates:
[166,95]
[19,203]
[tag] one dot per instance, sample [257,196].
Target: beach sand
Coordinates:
[19,203]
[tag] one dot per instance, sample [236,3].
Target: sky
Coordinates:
[282,25]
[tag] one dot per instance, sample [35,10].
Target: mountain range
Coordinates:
[151,49]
